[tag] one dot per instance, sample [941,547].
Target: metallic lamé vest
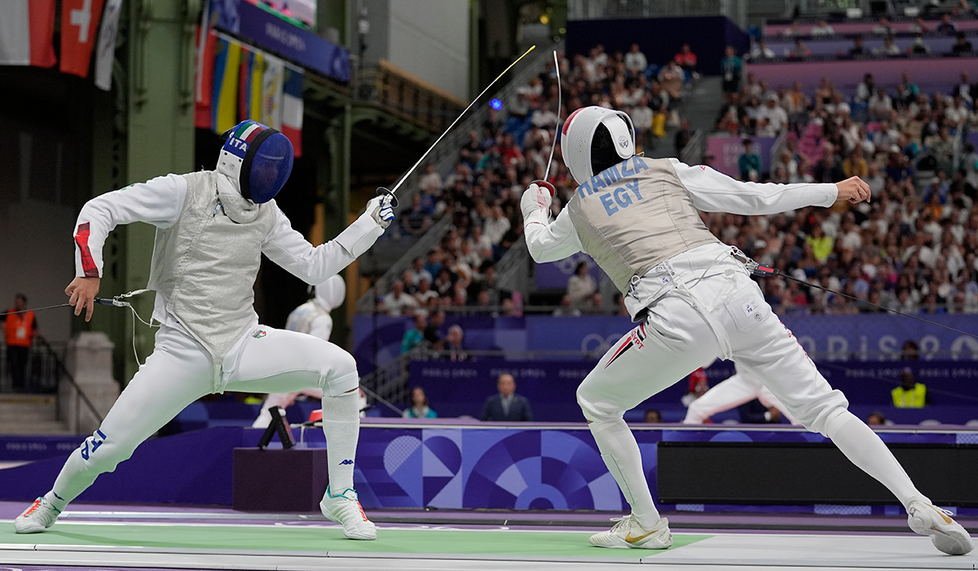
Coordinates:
[205,265]
[635,215]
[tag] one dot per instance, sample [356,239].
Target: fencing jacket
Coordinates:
[207,251]
[636,218]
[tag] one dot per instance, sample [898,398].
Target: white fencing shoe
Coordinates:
[37,518]
[945,533]
[345,510]
[628,534]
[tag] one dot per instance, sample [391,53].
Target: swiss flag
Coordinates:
[27,33]
[79,28]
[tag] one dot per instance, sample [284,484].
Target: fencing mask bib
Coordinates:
[595,138]
[257,158]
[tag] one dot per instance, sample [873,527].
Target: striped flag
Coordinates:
[203,109]
[225,95]
[292,108]
[27,33]
[254,96]
[271,92]
[244,83]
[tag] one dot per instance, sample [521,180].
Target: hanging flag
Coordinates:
[79,25]
[254,97]
[27,33]
[244,84]
[105,52]
[271,92]
[292,108]
[225,97]
[204,112]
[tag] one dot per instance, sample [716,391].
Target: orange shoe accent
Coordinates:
[33,507]
[631,539]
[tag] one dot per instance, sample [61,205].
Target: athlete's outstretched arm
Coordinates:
[712,191]
[314,265]
[547,241]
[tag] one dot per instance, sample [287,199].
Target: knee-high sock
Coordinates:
[621,454]
[864,448]
[341,425]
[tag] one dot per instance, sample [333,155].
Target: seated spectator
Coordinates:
[800,50]
[418,272]
[962,46]
[399,302]
[430,181]
[866,89]
[480,243]
[822,29]
[918,26]
[876,419]
[828,168]
[888,49]
[761,51]
[414,338]
[419,405]
[686,60]
[883,27]
[653,416]
[855,164]
[452,348]
[880,105]
[425,294]
[506,405]
[545,118]
[471,151]
[416,222]
[772,118]
[566,309]
[793,29]
[581,286]
[496,225]
[947,26]
[910,393]
[444,283]
[635,60]
[857,49]
[672,76]
[918,47]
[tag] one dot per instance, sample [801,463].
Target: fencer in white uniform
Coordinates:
[312,318]
[733,391]
[693,302]
[212,228]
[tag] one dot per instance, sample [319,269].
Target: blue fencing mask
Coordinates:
[258,158]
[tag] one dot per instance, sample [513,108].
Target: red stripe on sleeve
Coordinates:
[81,238]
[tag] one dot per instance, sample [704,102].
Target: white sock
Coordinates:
[864,448]
[341,425]
[622,457]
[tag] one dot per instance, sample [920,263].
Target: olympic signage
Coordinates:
[270,32]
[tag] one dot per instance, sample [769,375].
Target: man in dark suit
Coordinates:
[507,406]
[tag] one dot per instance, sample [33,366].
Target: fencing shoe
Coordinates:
[37,518]
[345,510]
[946,534]
[628,534]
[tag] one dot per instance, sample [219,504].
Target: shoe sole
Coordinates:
[348,535]
[953,541]
[29,529]
[622,544]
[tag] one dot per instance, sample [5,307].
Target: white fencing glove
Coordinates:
[380,209]
[535,204]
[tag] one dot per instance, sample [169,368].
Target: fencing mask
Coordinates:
[257,158]
[595,138]
[331,292]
